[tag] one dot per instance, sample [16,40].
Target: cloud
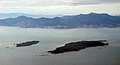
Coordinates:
[59,6]
[12,3]
[92,2]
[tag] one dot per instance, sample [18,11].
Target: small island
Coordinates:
[28,43]
[76,46]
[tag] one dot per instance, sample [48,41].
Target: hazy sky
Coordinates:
[66,7]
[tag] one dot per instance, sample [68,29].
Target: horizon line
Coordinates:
[60,14]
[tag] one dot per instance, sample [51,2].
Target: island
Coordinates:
[76,46]
[28,43]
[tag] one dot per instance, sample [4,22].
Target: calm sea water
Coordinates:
[52,38]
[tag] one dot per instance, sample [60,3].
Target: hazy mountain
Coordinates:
[92,20]
[14,15]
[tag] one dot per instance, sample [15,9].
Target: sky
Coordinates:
[65,7]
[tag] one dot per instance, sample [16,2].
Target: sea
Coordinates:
[53,38]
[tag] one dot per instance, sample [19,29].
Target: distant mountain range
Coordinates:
[14,15]
[91,20]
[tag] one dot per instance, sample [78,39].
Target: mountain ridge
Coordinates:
[91,20]
[14,15]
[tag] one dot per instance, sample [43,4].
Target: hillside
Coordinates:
[91,20]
